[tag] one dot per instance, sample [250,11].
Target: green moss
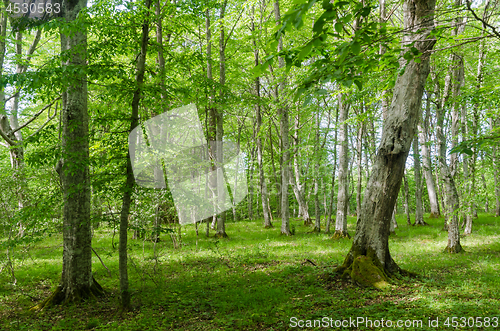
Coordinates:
[366,273]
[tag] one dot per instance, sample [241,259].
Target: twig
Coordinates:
[109,272]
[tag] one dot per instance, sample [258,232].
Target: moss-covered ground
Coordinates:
[259,280]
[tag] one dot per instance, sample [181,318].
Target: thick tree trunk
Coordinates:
[423,135]
[419,211]
[343,191]
[369,261]
[77,282]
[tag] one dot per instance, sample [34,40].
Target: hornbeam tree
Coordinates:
[369,261]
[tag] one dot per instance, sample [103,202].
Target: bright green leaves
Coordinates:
[355,47]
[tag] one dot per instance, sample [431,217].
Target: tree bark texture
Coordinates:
[369,260]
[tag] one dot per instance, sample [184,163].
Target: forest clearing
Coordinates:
[249,164]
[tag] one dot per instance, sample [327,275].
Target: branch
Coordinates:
[44,124]
[4,135]
[109,272]
[458,45]
[37,114]
[485,23]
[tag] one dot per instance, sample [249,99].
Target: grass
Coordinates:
[259,280]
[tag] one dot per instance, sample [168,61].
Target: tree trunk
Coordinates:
[342,196]
[452,200]
[407,200]
[258,118]
[77,282]
[332,192]
[423,136]
[369,261]
[496,172]
[298,187]
[419,211]
[359,149]
[221,221]
[317,161]
[285,145]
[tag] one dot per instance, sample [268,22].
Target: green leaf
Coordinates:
[356,48]
[358,84]
[304,52]
[338,27]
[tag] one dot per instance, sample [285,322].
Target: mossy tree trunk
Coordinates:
[369,261]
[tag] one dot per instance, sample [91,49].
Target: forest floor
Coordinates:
[259,280]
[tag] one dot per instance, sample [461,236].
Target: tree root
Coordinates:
[221,235]
[340,235]
[454,249]
[64,296]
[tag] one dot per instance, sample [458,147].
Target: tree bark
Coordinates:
[369,261]
[343,191]
[423,136]
[332,192]
[221,221]
[284,130]
[419,211]
[452,200]
[406,199]
[77,282]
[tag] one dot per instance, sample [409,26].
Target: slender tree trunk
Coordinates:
[77,282]
[332,191]
[423,135]
[370,247]
[129,185]
[406,200]
[221,221]
[284,128]
[258,118]
[317,161]
[496,171]
[419,211]
[452,200]
[359,149]
[343,191]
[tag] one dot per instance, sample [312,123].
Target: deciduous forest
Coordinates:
[249,164]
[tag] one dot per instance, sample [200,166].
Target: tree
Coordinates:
[342,198]
[369,261]
[77,282]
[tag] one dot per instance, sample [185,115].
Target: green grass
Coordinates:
[259,280]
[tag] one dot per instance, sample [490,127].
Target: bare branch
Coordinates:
[44,124]
[36,115]
[485,23]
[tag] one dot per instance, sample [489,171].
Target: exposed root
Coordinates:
[308,221]
[454,249]
[268,226]
[340,235]
[432,215]
[64,296]
[221,235]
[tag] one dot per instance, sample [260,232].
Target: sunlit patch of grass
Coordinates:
[257,279]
